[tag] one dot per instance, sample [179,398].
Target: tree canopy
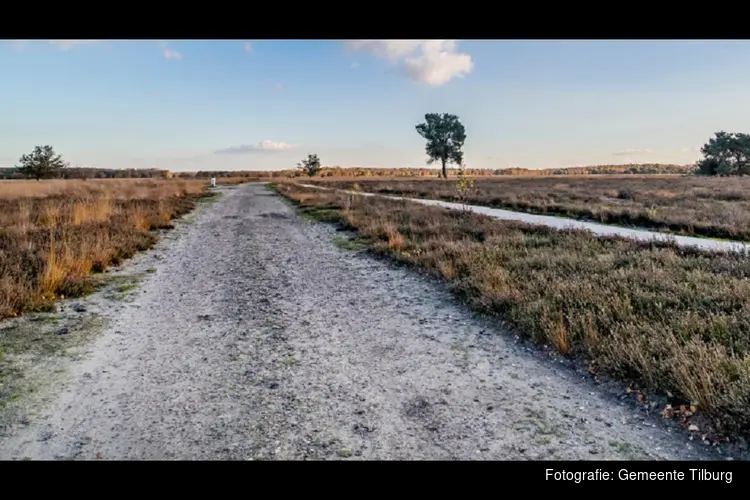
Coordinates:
[726,154]
[310,166]
[445,136]
[42,163]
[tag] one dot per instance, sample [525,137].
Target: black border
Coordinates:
[363,21]
[355,479]
[269,20]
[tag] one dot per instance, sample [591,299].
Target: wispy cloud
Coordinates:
[248,46]
[168,52]
[69,44]
[172,54]
[258,147]
[63,45]
[629,152]
[278,85]
[434,62]
[393,50]
[18,44]
[355,65]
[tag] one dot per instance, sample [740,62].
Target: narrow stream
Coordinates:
[562,223]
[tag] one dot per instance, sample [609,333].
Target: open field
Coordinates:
[688,205]
[54,234]
[675,321]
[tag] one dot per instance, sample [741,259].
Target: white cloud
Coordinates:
[248,46]
[172,54]
[253,148]
[392,50]
[355,65]
[628,152]
[18,44]
[434,62]
[169,53]
[59,44]
[278,85]
[69,44]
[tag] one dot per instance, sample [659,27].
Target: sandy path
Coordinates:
[559,222]
[258,338]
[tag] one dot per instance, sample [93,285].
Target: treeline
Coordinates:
[236,174]
[94,173]
[640,169]
[133,173]
[657,169]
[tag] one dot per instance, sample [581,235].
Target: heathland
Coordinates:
[667,320]
[55,233]
[715,207]
[258,334]
[671,320]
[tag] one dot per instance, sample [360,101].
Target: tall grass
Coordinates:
[54,234]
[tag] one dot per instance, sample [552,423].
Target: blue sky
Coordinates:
[266,104]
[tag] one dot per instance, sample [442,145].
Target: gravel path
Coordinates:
[560,222]
[258,338]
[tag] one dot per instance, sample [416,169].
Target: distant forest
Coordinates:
[132,173]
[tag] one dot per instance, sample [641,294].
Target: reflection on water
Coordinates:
[562,223]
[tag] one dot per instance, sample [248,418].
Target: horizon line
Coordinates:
[516,167]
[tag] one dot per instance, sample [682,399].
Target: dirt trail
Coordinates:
[258,338]
[560,222]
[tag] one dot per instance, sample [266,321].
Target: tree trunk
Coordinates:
[445,173]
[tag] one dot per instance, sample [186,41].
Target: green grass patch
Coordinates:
[350,243]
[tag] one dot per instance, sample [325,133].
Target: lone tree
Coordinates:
[310,166]
[445,136]
[42,163]
[726,154]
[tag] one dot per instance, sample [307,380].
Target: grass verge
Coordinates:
[674,320]
[687,205]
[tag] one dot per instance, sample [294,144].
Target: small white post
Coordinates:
[213,181]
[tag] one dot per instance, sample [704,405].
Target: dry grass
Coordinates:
[689,205]
[53,234]
[674,320]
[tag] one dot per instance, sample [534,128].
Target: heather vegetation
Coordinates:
[710,205]
[669,319]
[688,205]
[54,233]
